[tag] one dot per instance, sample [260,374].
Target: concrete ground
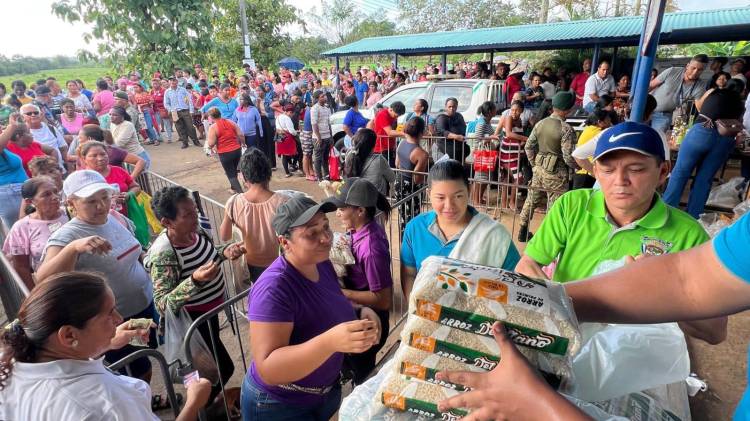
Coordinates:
[723,366]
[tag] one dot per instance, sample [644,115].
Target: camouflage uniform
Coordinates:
[552,139]
[162,263]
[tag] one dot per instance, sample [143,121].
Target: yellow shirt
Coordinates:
[588,133]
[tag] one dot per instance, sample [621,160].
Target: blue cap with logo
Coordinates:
[630,136]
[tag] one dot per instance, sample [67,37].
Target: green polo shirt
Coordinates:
[579,230]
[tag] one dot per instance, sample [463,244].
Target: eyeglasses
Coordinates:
[32,113]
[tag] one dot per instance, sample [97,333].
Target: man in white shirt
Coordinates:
[598,84]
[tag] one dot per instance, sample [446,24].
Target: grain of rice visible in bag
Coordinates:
[417,397]
[470,297]
[422,365]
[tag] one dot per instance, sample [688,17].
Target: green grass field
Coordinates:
[87,74]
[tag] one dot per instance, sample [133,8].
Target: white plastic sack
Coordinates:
[729,194]
[341,253]
[617,360]
[175,329]
[713,223]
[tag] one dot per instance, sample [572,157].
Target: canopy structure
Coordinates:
[677,28]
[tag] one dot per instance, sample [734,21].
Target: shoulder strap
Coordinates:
[52,129]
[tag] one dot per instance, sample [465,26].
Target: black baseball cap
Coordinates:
[296,212]
[356,192]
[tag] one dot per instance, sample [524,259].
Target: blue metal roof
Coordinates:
[677,28]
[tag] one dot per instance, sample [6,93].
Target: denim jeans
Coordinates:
[661,121]
[704,151]
[251,141]
[166,124]
[589,108]
[150,129]
[10,203]
[257,405]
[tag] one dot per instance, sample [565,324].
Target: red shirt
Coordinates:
[120,177]
[383,120]
[143,100]
[27,153]
[578,85]
[226,136]
[512,85]
[158,96]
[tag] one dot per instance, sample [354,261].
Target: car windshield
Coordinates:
[406,96]
[443,92]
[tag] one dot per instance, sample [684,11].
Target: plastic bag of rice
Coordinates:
[341,253]
[422,365]
[538,315]
[417,397]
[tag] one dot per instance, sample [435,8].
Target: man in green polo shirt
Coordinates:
[595,231]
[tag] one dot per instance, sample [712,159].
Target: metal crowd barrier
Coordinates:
[163,366]
[12,290]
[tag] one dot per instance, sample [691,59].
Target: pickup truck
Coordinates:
[471,93]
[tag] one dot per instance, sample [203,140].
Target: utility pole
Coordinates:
[247,57]
[637,8]
[544,12]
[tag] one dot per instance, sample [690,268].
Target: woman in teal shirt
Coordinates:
[12,176]
[453,228]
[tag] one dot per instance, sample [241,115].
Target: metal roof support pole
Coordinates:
[492,61]
[395,61]
[646,55]
[613,65]
[336,78]
[595,58]
[443,63]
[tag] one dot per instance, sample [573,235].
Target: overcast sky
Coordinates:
[40,33]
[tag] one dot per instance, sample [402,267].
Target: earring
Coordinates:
[75,343]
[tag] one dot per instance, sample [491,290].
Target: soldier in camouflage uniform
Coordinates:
[549,149]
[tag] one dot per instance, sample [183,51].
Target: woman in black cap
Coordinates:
[301,323]
[368,281]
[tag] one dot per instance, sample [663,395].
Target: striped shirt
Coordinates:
[193,257]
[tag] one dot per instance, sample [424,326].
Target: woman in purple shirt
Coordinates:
[301,323]
[368,281]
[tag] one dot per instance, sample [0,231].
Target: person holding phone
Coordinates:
[185,269]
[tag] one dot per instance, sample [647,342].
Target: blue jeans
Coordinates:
[661,121]
[166,124]
[152,135]
[10,203]
[258,406]
[589,108]
[704,151]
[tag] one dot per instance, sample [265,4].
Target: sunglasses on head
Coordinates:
[31,113]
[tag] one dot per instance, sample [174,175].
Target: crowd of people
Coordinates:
[65,190]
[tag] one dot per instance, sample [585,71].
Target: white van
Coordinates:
[471,93]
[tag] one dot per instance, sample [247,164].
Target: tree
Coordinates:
[147,34]
[447,15]
[371,27]
[265,21]
[308,49]
[335,20]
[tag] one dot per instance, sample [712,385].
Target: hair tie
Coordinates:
[15,327]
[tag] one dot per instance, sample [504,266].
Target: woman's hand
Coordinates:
[206,272]
[124,333]
[94,245]
[513,390]
[353,337]
[366,313]
[234,251]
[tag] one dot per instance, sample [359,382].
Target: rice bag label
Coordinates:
[495,284]
[428,375]
[419,407]
[482,325]
[453,351]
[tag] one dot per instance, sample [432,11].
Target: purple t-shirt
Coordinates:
[372,270]
[283,294]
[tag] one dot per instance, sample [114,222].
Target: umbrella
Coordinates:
[291,63]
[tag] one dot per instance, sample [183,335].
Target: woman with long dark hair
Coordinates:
[368,281]
[361,162]
[248,118]
[49,357]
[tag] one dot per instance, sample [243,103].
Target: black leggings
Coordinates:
[213,341]
[285,160]
[230,161]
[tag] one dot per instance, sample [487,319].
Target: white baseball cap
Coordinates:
[84,183]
